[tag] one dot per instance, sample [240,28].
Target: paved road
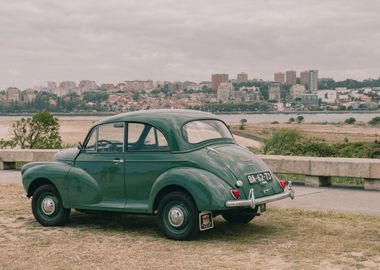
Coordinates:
[329,198]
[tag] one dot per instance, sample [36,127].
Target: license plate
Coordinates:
[205,221]
[260,177]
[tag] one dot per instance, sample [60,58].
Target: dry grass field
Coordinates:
[331,133]
[279,239]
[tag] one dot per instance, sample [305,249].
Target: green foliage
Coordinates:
[283,142]
[291,120]
[95,97]
[242,123]
[275,123]
[350,120]
[349,83]
[300,119]
[39,132]
[375,121]
[295,143]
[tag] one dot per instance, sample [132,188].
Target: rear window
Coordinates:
[204,130]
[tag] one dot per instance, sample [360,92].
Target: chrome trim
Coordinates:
[212,149]
[239,183]
[118,161]
[48,206]
[252,201]
[176,217]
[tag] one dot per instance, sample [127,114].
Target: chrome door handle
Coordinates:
[118,161]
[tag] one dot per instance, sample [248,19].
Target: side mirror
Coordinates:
[80,146]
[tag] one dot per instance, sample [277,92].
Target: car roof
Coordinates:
[169,121]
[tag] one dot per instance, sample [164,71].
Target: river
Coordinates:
[251,118]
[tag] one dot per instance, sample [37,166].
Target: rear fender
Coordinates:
[208,191]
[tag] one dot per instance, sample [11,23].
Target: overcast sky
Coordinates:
[117,40]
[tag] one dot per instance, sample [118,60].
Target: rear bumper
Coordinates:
[252,202]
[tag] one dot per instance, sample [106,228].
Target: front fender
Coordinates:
[209,191]
[55,172]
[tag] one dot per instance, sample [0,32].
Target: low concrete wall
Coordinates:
[8,158]
[317,171]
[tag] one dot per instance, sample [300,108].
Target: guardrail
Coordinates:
[318,171]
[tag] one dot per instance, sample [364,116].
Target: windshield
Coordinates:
[204,130]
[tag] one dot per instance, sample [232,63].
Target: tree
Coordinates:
[291,120]
[242,123]
[350,120]
[300,119]
[375,121]
[39,132]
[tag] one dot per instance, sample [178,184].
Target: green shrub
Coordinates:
[375,121]
[294,143]
[350,120]
[300,119]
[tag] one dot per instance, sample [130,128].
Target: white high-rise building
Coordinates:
[313,81]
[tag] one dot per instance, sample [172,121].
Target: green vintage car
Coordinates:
[183,166]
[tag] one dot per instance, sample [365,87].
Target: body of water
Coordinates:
[251,118]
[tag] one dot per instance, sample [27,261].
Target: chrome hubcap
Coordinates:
[176,217]
[48,206]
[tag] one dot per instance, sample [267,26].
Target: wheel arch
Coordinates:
[208,191]
[36,183]
[166,190]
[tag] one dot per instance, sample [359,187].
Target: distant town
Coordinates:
[286,93]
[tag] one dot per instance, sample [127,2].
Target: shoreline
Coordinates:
[217,113]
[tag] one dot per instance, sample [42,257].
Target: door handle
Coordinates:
[117,160]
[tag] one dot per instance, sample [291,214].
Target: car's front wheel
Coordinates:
[47,207]
[178,216]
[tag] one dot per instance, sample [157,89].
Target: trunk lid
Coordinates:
[248,168]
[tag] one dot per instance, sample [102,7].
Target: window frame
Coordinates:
[96,129]
[168,148]
[209,140]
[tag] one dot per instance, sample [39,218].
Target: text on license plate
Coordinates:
[259,177]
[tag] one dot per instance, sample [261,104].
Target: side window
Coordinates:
[144,137]
[91,143]
[110,138]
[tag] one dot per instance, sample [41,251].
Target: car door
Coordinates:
[147,157]
[102,159]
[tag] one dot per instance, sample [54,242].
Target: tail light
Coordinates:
[235,193]
[282,183]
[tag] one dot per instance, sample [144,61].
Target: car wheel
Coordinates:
[239,217]
[47,207]
[178,216]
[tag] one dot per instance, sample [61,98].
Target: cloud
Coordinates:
[111,41]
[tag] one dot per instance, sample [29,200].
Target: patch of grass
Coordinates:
[280,238]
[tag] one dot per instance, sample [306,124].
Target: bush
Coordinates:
[291,120]
[275,123]
[39,132]
[350,120]
[300,119]
[294,143]
[283,142]
[375,121]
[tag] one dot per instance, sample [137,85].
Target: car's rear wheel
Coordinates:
[178,216]
[47,207]
[239,217]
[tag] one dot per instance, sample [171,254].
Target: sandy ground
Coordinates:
[331,133]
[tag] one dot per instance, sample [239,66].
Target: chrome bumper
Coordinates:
[252,202]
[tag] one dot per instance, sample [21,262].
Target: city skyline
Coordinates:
[176,41]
